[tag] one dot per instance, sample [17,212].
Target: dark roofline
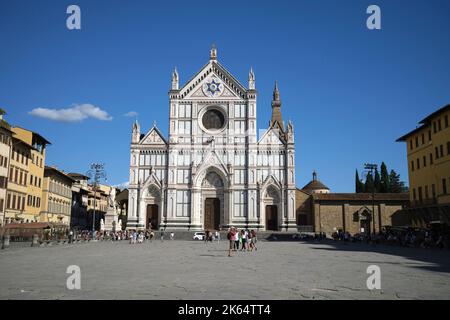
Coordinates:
[424,122]
[404,137]
[38,136]
[435,114]
[74,174]
[59,172]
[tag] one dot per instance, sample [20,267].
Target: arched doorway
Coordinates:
[271,204]
[152,198]
[212,214]
[272,217]
[212,193]
[152,217]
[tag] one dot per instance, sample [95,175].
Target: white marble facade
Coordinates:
[212,172]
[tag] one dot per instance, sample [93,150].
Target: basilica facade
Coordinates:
[213,170]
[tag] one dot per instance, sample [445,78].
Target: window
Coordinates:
[444,186]
[417,142]
[426,192]
[429,135]
[420,194]
[418,163]
[434,127]
[414,194]
[239,127]
[182,176]
[184,111]
[182,204]
[410,144]
[239,111]
[184,127]
[3,182]
[239,203]
[441,148]
[239,176]
[439,125]
[448,147]
[213,119]
[424,161]
[436,150]
[433,191]
[412,165]
[446,121]
[31,179]
[423,138]
[431,158]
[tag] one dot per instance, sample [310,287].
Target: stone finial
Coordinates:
[213,52]
[175,79]
[251,79]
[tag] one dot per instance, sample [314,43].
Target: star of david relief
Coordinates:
[213,87]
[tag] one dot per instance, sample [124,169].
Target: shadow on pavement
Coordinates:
[437,260]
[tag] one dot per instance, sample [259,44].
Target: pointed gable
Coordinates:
[153,137]
[213,78]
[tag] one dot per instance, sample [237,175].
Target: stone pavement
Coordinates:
[195,270]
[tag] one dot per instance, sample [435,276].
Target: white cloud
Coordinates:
[131,114]
[123,185]
[76,112]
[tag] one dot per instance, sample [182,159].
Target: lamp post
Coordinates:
[96,173]
[372,167]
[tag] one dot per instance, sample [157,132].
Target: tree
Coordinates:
[369,185]
[384,183]
[377,181]
[396,185]
[359,186]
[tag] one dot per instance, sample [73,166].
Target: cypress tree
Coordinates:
[384,183]
[377,181]
[369,185]
[396,185]
[359,186]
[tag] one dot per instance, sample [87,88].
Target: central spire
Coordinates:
[213,52]
[277,119]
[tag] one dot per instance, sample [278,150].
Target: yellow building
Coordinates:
[56,196]
[101,204]
[35,168]
[16,192]
[428,152]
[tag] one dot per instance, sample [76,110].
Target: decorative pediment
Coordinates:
[154,136]
[210,163]
[270,181]
[213,81]
[272,136]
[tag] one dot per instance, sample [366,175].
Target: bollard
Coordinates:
[5,242]
[34,241]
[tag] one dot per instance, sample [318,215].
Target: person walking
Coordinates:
[162,236]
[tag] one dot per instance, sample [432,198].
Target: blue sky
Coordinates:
[351,92]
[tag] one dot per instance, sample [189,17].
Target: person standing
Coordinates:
[254,239]
[217,236]
[231,238]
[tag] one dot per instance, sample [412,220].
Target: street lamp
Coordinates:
[372,167]
[96,173]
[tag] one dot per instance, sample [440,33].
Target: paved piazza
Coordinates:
[193,270]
